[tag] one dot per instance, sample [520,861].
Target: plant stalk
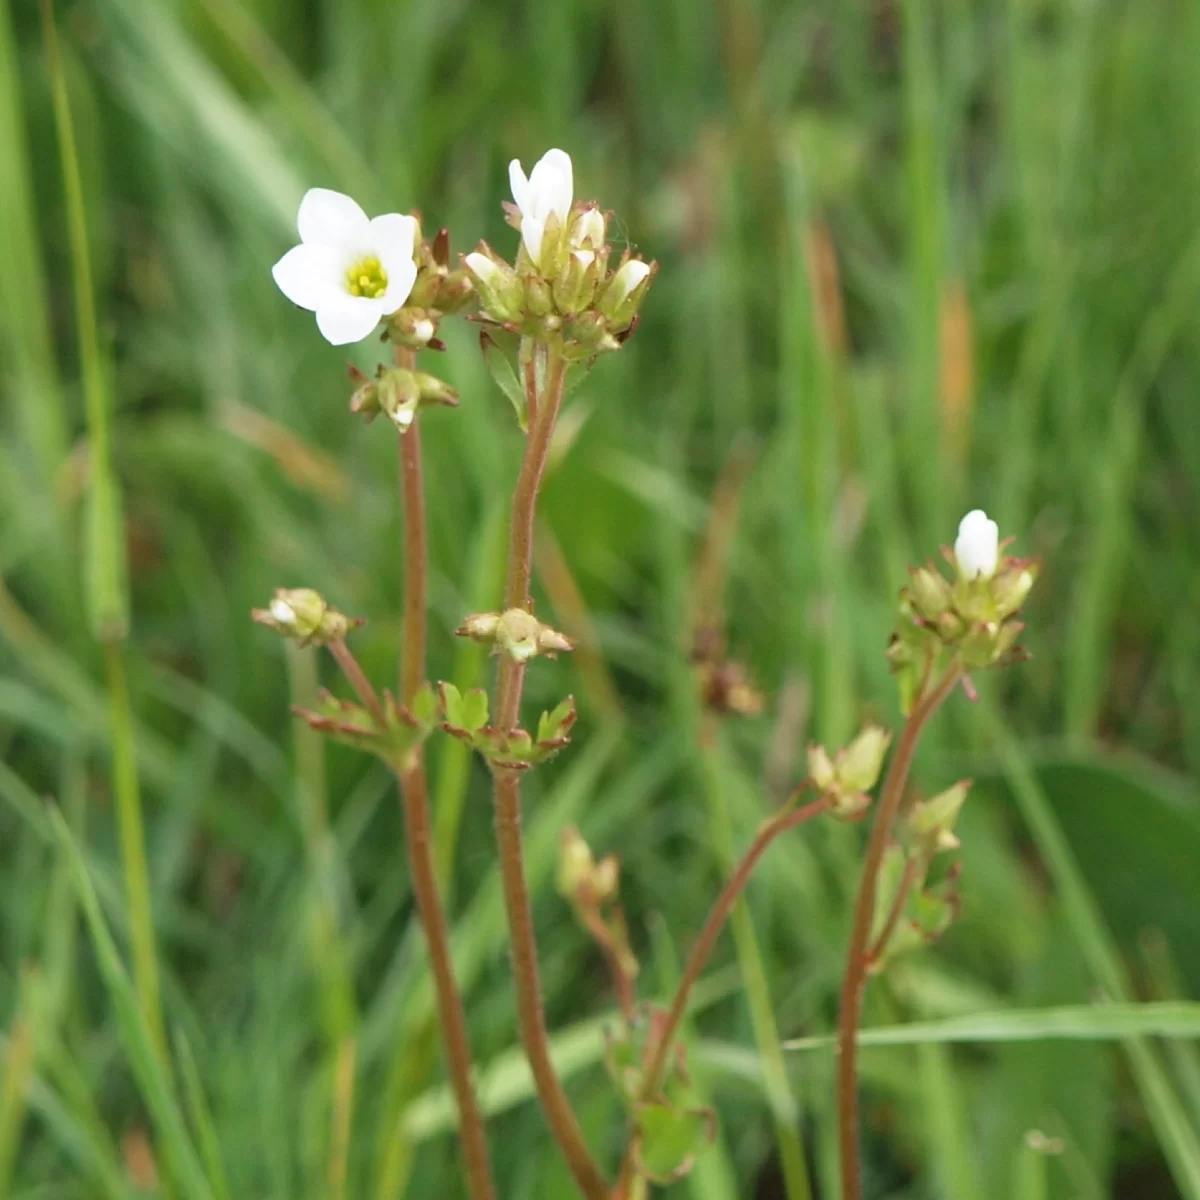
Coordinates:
[414,795]
[857,953]
[711,929]
[510,680]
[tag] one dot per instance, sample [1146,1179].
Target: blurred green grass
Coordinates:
[915,258]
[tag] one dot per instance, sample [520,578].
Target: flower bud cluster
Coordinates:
[517,633]
[399,393]
[304,615]
[847,779]
[910,910]
[560,285]
[974,616]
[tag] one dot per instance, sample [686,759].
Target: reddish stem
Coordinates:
[507,798]
[857,962]
[710,930]
[415,803]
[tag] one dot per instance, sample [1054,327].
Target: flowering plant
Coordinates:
[566,307]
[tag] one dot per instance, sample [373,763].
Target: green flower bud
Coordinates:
[1012,585]
[859,764]
[622,296]
[516,633]
[932,821]
[500,289]
[930,592]
[303,614]
[575,864]
[820,768]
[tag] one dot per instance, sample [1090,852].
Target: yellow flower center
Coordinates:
[366,278]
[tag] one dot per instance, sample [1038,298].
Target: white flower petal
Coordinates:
[331,219]
[519,184]
[343,318]
[977,547]
[393,236]
[532,229]
[401,275]
[627,278]
[488,272]
[589,229]
[306,275]
[282,611]
[551,184]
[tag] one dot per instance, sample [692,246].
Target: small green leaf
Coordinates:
[474,710]
[500,367]
[425,705]
[669,1139]
[554,724]
[452,705]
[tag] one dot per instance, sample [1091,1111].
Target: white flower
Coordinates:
[549,189]
[349,270]
[629,277]
[977,547]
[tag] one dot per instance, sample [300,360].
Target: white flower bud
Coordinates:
[626,280]
[589,229]
[977,547]
[489,273]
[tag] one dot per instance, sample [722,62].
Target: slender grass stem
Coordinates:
[133,844]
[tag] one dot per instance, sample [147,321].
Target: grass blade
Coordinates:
[137,1035]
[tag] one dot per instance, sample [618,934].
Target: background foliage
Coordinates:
[915,258]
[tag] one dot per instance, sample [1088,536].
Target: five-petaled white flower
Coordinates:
[977,547]
[349,270]
[549,189]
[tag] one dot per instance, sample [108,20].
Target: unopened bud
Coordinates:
[930,592]
[575,863]
[303,614]
[498,285]
[589,229]
[576,285]
[480,627]
[412,326]
[932,821]
[539,297]
[623,294]
[1012,585]
[859,764]
[977,547]
[399,395]
[820,768]
[516,633]
[522,636]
